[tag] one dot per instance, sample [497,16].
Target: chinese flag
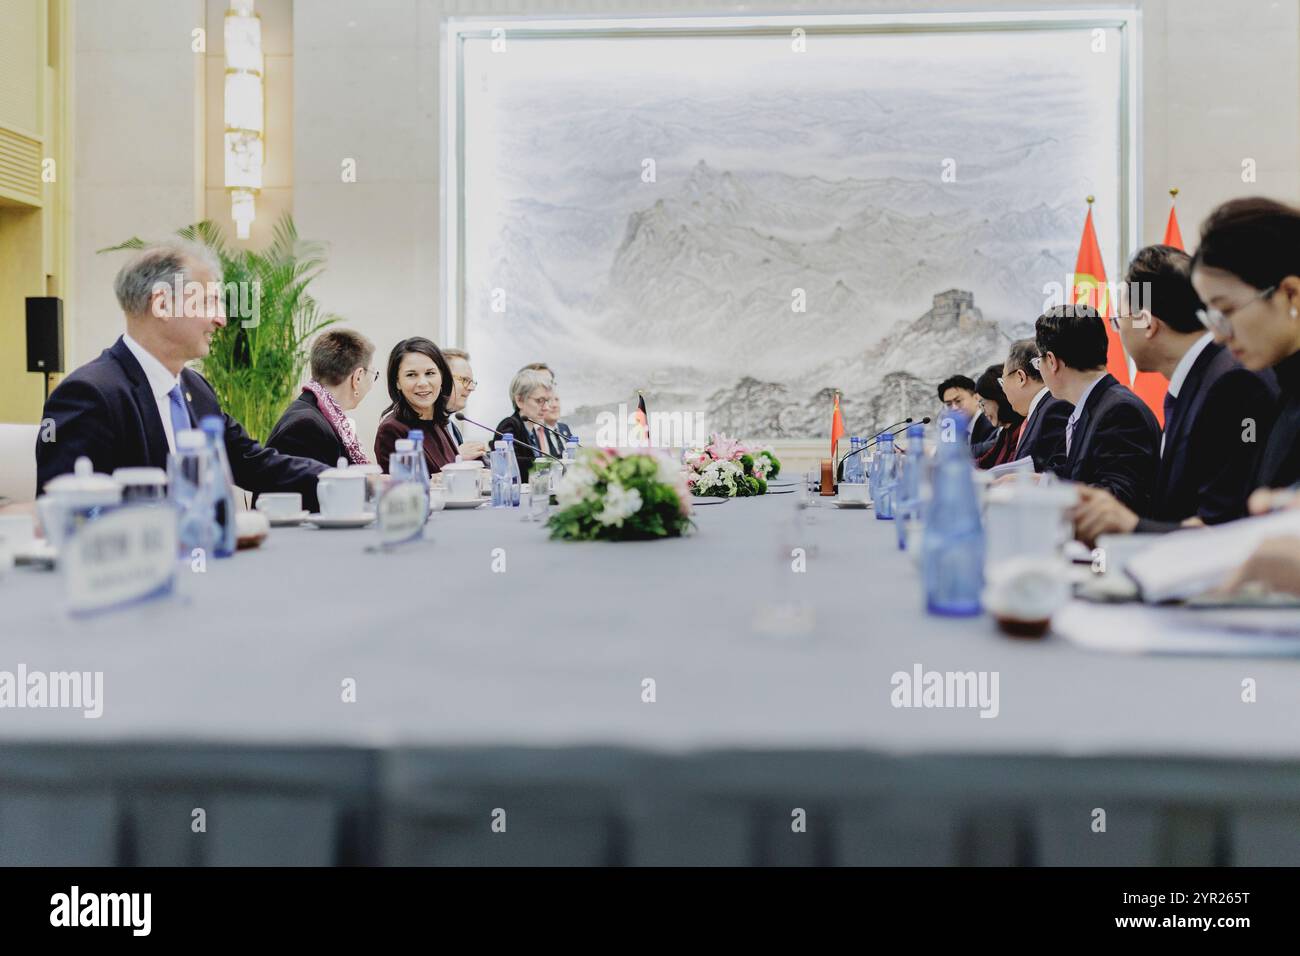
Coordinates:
[1090,289]
[1173,235]
[838,430]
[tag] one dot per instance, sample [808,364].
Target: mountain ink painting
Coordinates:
[738,241]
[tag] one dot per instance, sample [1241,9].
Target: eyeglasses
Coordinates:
[464,381]
[1221,324]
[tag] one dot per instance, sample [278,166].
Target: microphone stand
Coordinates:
[461,417]
[839,469]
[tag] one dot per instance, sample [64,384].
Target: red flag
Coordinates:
[1090,289]
[1173,235]
[838,430]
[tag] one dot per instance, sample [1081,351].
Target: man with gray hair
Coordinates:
[1042,437]
[125,407]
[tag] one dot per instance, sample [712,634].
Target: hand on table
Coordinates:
[472,450]
[1275,564]
[1264,500]
[1098,512]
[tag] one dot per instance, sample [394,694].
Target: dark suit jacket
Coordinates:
[106,411]
[1206,470]
[304,431]
[523,432]
[982,433]
[1279,465]
[1043,436]
[1116,445]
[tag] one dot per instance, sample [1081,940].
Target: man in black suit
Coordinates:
[1217,413]
[1042,437]
[559,432]
[125,407]
[1111,438]
[957,392]
[463,385]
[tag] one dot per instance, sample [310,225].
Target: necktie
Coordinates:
[180,414]
[1069,432]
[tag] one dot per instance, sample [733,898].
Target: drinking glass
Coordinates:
[539,484]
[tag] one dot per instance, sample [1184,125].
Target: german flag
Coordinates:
[643,419]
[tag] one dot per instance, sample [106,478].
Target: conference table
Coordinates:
[486,695]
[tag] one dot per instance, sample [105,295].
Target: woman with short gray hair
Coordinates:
[530,393]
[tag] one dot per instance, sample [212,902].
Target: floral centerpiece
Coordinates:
[620,496]
[726,468]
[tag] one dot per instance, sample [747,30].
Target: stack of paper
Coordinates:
[1190,562]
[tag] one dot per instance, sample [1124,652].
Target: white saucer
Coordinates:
[840,503]
[341,521]
[464,502]
[285,521]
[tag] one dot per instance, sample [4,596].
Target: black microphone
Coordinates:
[875,439]
[839,469]
[923,421]
[460,417]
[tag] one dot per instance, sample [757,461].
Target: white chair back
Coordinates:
[17,463]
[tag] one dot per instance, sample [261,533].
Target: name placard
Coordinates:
[402,511]
[122,557]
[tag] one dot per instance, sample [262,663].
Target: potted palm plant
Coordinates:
[257,360]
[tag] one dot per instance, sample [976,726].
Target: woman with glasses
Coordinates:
[1247,272]
[1008,422]
[419,387]
[530,394]
[316,425]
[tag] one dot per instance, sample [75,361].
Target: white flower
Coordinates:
[575,486]
[620,504]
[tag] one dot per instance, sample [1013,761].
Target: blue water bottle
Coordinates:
[420,467]
[512,471]
[907,494]
[872,474]
[222,487]
[886,477]
[189,487]
[952,549]
[500,475]
[571,448]
[853,463]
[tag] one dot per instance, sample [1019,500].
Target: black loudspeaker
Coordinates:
[44,334]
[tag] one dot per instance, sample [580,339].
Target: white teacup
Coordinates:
[341,496]
[461,479]
[280,504]
[853,492]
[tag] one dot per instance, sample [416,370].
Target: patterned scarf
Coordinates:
[338,421]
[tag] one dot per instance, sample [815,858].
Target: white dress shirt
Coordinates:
[161,382]
[1182,370]
[1078,410]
